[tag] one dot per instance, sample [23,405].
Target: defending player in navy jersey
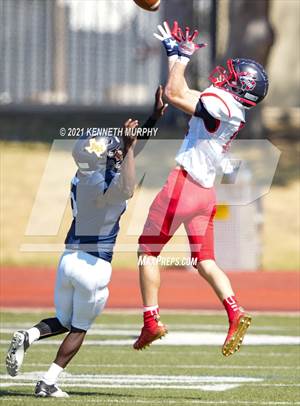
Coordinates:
[105,179]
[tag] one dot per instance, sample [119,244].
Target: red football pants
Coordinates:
[181,201]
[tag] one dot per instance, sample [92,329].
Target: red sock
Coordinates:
[150,319]
[231,306]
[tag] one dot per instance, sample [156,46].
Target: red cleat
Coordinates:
[147,336]
[237,330]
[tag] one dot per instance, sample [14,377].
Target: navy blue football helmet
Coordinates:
[98,153]
[245,79]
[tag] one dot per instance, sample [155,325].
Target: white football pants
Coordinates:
[81,288]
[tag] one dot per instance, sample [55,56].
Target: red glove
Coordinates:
[186,44]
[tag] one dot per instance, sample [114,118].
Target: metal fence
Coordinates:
[86,52]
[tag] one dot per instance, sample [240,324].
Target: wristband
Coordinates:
[150,123]
[184,60]
[172,58]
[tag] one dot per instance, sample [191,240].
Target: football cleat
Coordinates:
[236,333]
[148,336]
[15,355]
[42,390]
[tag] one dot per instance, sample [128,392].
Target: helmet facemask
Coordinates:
[236,83]
[100,153]
[114,152]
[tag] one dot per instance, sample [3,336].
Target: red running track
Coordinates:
[181,289]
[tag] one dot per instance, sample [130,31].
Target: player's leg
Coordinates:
[90,280]
[153,328]
[201,238]
[239,321]
[217,278]
[200,231]
[162,222]
[90,277]
[22,339]
[149,278]
[63,297]
[47,387]
[69,346]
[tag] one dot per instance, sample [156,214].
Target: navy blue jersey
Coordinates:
[97,205]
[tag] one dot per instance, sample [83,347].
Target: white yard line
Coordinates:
[135,378]
[154,352]
[113,385]
[170,401]
[209,388]
[203,383]
[183,338]
[165,401]
[186,366]
[98,328]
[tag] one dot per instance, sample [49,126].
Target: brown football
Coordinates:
[149,5]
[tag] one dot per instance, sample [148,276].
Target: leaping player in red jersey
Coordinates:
[188,196]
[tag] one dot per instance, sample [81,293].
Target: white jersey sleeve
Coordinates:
[221,105]
[204,148]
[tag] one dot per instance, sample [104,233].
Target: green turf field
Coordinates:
[108,372]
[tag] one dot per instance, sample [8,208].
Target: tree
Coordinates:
[250,36]
[184,13]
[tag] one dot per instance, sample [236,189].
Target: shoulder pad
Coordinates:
[221,105]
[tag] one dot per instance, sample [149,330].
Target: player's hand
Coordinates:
[129,136]
[159,106]
[186,43]
[167,38]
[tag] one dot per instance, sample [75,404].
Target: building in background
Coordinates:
[84,52]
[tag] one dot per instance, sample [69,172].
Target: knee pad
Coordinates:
[50,327]
[77,330]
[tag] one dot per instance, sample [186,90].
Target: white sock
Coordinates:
[34,334]
[150,308]
[52,374]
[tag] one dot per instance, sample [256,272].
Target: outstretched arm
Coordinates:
[177,90]
[158,111]
[122,186]
[127,177]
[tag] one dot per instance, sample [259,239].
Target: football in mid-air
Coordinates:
[150,5]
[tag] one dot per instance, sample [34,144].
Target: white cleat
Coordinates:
[42,390]
[15,355]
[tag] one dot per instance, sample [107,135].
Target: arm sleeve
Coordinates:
[216,106]
[150,123]
[210,122]
[114,192]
